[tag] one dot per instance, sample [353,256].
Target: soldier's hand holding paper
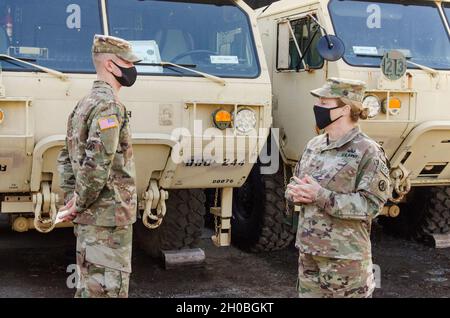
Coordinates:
[61,216]
[67,213]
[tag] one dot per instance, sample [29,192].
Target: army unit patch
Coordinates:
[108,122]
[384,169]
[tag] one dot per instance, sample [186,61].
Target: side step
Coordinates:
[194,257]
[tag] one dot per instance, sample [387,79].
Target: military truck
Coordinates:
[401,49]
[203,78]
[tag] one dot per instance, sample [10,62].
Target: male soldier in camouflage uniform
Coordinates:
[98,175]
[341,183]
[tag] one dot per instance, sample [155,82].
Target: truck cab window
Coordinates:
[213,36]
[306,31]
[414,28]
[52,33]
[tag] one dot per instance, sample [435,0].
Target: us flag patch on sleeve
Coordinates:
[108,122]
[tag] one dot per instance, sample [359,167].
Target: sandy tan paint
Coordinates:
[422,128]
[37,106]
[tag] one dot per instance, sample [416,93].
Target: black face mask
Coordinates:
[323,117]
[128,77]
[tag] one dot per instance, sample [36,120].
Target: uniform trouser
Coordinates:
[104,260]
[324,277]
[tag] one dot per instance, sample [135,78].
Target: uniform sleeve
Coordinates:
[101,145]
[296,173]
[372,191]
[287,194]
[66,175]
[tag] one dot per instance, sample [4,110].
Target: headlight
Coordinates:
[245,120]
[373,104]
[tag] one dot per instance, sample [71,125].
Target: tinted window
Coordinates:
[52,33]
[213,36]
[369,29]
[306,32]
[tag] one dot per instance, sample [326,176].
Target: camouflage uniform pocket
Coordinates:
[118,259]
[345,278]
[343,178]
[113,282]
[116,283]
[106,246]
[308,277]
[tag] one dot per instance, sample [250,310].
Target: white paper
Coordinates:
[148,51]
[224,59]
[365,50]
[61,215]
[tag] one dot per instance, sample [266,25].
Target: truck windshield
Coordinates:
[212,36]
[53,33]
[369,29]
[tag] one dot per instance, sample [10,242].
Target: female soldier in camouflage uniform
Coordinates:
[341,183]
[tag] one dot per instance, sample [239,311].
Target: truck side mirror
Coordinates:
[283,45]
[330,47]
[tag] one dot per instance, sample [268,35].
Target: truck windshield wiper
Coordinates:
[264,10]
[50,71]
[427,69]
[159,64]
[186,67]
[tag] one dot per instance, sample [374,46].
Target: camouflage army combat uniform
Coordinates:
[333,234]
[97,164]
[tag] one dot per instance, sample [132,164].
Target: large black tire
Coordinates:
[259,221]
[427,213]
[437,211]
[182,225]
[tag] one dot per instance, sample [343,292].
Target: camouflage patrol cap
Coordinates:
[341,88]
[114,45]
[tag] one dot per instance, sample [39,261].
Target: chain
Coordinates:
[216,195]
[287,212]
[216,218]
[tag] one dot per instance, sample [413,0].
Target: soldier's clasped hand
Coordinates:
[305,191]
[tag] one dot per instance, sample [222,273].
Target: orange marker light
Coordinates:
[223,115]
[393,107]
[2,116]
[222,119]
[394,103]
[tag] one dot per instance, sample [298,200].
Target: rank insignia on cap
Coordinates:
[108,122]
